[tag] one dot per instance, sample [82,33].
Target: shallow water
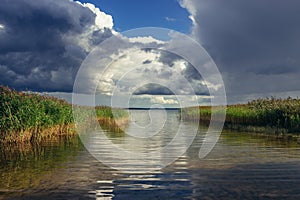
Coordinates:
[241,166]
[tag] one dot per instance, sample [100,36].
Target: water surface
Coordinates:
[241,166]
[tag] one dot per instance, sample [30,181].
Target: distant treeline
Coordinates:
[277,115]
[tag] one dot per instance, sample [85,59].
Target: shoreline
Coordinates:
[60,131]
[270,115]
[35,135]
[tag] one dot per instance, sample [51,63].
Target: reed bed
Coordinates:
[275,115]
[30,116]
[112,119]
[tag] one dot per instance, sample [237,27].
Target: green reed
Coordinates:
[28,114]
[113,113]
[22,111]
[269,112]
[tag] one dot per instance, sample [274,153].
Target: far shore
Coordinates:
[280,117]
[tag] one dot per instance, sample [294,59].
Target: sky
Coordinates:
[254,44]
[131,14]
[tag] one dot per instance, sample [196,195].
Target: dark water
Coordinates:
[241,166]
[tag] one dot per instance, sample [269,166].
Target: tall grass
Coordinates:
[278,114]
[113,113]
[113,119]
[281,113]
[28,112]
[30,116]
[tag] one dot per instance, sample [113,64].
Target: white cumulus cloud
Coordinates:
[163,100]
[145,40]
[102,19]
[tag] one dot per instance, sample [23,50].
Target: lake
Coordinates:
[240,166]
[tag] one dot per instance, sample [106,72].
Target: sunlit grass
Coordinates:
[270,112]
[30,116]
[24,115]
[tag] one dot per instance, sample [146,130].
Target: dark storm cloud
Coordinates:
[170,72]
[256,44]
[189,73]
[39,43]
[147,62]
[195,87]
[168,58]
[153,89]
